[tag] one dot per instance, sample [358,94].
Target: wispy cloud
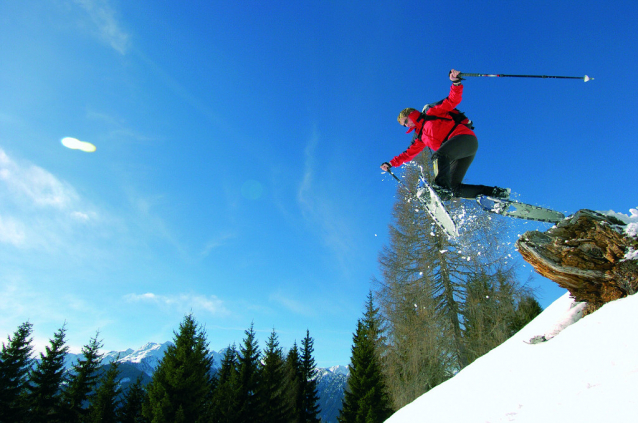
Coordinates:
[320,209]
[298,307]
[11,231]
[48,308]
[304,194]
[180,90]
[107,27]
[182,302]
[217,242]
[147,217]
[37,208]
[116,129]
[34,185]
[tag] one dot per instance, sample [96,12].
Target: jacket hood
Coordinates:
[415,118]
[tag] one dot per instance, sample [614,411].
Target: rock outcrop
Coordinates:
[585,253]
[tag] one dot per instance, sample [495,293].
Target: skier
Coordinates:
[454,146]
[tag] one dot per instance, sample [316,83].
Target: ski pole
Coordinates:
[407,188]
[395,176]
[399,181]
[584,78]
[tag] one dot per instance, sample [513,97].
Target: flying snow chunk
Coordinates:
[76,144]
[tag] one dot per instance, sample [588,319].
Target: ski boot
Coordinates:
[501,193]
[444,194]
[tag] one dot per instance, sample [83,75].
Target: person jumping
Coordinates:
[454,145]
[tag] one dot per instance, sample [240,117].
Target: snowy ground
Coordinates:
[587,371]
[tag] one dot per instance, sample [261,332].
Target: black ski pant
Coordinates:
[451,162]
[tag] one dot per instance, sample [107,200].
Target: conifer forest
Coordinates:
[438,305]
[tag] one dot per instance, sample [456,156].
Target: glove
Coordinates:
[386,166]
[456,81]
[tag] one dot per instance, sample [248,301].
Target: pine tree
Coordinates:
[276,408]
[15,362]
[293,387]
[131,410]
[425,288]
[104,404]
[421,293]
[418,297]
[309,394]
[46,380]
[526,310]
[495,309]
[251,404]
[81,383]
[226,404]
[488,311]
[181,388]
[365,399]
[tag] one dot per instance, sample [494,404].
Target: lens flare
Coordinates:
[252,190]
[76,144]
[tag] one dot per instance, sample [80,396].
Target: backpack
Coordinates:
[456,115]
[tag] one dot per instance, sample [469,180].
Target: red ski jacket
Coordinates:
[434,131]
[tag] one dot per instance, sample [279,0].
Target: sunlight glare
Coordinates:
[76,144]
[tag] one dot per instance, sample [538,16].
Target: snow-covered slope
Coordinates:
[587,371]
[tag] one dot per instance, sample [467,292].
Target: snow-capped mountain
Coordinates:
[146,359]
[338,370]
[331,382]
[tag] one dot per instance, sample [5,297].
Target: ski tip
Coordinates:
[586,78]
[451,236]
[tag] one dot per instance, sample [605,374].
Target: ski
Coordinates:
[433,205]
[436,209]
[519,210]
[438,212]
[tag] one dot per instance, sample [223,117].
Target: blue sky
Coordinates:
[238,149]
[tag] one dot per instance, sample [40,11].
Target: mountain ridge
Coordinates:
[331,381]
